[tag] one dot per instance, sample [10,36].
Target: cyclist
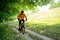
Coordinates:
[21,17]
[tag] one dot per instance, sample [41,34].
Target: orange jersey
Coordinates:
[21,16]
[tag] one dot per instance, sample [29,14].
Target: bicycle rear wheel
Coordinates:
[23,30]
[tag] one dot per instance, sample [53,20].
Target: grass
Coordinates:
[52,31]
[50,17]
[7,33]
[46,23]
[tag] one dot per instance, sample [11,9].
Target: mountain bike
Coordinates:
[22,28]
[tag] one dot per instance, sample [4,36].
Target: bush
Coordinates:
[7,33]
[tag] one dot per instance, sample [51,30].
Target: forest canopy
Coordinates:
[12,7]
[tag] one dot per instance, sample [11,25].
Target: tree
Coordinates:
[11,7]
[54,4]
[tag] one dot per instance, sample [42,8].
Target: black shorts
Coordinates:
[20,21]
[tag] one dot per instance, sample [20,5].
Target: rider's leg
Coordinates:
[19,24]
[23,22]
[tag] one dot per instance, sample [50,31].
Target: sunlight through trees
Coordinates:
[10,8]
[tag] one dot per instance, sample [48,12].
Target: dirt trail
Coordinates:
[24,36]
[32,32]
[38,35]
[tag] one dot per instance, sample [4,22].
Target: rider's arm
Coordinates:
[25,16]
[18,16]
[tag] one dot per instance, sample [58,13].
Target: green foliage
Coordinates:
[7,33]
[54,5]
[12,7]
[52,31]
